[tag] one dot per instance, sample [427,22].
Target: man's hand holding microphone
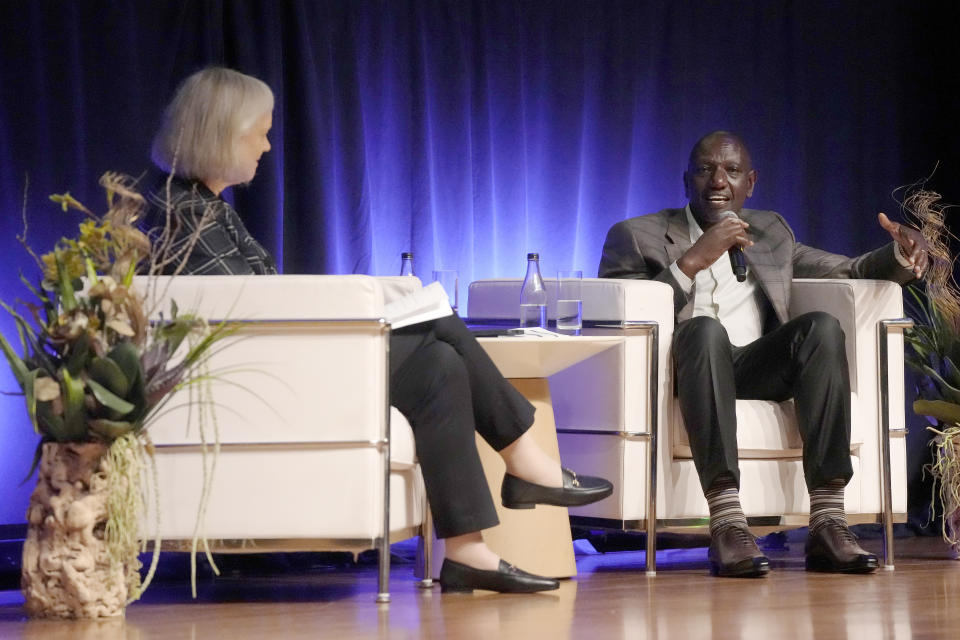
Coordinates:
[727,234]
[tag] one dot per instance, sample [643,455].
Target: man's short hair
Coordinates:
[720,133]
[209,111]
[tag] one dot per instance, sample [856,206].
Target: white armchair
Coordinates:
[312,457]
[617,415]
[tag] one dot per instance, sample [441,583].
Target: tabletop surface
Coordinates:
[541,357]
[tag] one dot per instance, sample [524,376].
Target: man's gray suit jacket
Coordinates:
[644,247]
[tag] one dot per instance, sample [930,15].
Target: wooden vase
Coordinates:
[67,571]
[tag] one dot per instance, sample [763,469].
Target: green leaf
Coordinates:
[127,357]
[80,353]
[939,409]
[91,271]
[31,397]
[37,292]
[22,330]
[110,400]
[131,271]
[138,396]
[951,373]
[50,424]
[108,373]
[920,304]
[17,366]
[217,333]
[110,429]
[949,393]
[175,331]
[73,409]
[67,298]
[30,339]
[37,454]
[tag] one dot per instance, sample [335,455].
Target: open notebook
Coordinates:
[429,303]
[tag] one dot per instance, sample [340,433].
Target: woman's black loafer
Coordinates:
[576,490]
[456,577]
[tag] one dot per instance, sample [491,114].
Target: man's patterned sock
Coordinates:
[723,498]
[826,503]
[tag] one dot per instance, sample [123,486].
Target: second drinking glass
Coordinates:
[569,300]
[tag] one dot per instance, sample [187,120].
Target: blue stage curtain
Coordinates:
[473,132]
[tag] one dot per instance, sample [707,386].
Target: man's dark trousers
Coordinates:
[804,359]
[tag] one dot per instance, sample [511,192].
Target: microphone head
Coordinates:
[729,214]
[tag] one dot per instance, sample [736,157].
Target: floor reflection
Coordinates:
[612,597]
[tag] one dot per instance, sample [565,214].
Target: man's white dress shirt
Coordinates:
[717,294]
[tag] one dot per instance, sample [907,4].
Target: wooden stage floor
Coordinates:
[610,598]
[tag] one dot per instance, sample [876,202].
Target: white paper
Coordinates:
[535,332]
[429,303]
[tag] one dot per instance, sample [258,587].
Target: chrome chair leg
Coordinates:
[886,487]
[426,549]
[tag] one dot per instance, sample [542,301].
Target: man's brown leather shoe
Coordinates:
[734,554]
[833,548]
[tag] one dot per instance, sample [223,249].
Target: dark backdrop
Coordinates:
[473,132]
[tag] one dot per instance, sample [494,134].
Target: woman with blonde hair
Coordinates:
[214,132]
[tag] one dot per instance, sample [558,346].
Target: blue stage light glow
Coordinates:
[16,432]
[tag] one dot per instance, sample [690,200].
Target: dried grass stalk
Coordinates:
[925,209]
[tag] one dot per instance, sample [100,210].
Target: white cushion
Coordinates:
[765,429]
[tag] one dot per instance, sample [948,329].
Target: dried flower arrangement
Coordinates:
[93,373]
[934,352]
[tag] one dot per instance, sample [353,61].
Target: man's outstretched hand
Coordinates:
[911,242]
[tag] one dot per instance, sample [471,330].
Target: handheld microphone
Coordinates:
[737,261]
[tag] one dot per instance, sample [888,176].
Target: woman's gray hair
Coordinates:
[202,123]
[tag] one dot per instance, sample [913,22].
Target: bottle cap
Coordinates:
[533,256]
[406,255]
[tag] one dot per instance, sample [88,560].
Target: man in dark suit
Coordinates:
[734,339]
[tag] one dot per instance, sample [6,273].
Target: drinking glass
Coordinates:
[448,279]
[569,300]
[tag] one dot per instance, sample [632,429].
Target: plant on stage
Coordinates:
[93,372]
[934,352]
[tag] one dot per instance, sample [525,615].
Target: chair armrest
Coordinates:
[604,300]
[266,297]
[859,305]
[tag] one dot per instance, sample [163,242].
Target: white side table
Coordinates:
[536,540]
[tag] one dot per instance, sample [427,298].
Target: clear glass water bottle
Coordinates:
[406,263]
[533,295]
